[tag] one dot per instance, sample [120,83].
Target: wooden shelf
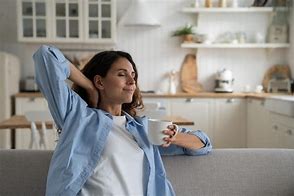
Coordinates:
[228,10]
[247,45]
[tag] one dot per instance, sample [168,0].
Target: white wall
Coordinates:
[156,52]
[291,51]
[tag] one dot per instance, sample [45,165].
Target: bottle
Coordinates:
[222,3]
[172,82]
[208,3]
[197,3]
[235,3]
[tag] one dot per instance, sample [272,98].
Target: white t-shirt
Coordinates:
[120,168]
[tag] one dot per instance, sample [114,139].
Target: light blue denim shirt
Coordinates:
[85,131]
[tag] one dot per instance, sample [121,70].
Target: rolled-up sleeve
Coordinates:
[177,150]
[51,70]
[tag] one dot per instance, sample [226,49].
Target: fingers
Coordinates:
[171,133]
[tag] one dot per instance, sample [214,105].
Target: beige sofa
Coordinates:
[224,172]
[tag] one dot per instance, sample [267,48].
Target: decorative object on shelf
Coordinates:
[197,3]
[208,3]
[172,81]
[139,14]
[222,3]
[259,38]
[187,32]
[189,75]
[279,27]
[235,3]
[259,3]
[274,75]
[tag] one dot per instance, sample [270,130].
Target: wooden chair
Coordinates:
[38,117]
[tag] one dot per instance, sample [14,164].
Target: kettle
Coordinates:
[224,81]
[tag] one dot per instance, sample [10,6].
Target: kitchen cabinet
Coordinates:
[224,120]
[33,20]
[266,129]
[22,136]
[282,130]
[200,111]
[67,21]
[259,133]
[229,123]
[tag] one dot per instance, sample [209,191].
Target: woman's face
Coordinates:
[119,84]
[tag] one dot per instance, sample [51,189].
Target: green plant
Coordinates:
[186,30]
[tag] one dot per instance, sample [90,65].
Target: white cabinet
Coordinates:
[266,129]
[200,111]
[230,123]
[22,136]
[67,21]
[258,125]
[224,120]
[33,20]
[282,130]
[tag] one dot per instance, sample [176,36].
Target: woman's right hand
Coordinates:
[79,79]
[93,97]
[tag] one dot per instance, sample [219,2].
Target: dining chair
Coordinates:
[38,117]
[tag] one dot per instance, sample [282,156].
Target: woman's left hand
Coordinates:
[171,133]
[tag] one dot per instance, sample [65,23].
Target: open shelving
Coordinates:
[228,10]
[245,45]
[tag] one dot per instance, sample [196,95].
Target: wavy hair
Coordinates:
[100,65]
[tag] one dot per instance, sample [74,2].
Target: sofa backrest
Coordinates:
[233,172]
[222,172]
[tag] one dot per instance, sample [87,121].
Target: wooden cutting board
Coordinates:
[189,75]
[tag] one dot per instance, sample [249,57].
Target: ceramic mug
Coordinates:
[155,128]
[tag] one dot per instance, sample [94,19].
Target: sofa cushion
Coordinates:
[23,172]
[233,172]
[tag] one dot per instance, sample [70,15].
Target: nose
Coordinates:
[131,80]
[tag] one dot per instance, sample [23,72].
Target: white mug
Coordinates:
[155,128]
[259,89]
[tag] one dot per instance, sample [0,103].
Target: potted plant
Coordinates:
[185,32]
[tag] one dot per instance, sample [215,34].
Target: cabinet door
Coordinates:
[33,20]
[230,123]
[197,110]
[258,125]
[155,107]
[282,131]
[22,136]
[100,20]
[67,20]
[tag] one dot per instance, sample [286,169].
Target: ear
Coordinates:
[98,82]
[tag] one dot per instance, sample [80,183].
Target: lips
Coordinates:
[129,89]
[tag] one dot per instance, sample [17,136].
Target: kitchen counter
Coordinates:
[184,95]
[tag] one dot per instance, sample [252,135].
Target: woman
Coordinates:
[103,147]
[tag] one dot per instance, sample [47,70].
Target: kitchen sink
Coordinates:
[281,104]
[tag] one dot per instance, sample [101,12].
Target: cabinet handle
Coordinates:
[189,100]
[262,103]
[31,99]
[289,132]
[275,127]
[230,100]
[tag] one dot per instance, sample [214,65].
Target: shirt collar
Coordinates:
[129,118]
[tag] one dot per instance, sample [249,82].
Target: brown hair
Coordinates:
[100,65]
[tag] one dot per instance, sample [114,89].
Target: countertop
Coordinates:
[185,95]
